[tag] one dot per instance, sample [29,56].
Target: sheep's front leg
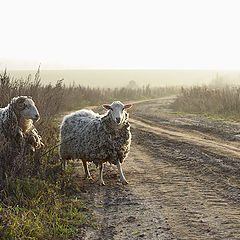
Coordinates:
[123,179]
[85,166]
[100,177]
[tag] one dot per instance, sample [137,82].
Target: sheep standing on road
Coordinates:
[97,138]
[18,136]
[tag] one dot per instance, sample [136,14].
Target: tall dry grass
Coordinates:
[222,101]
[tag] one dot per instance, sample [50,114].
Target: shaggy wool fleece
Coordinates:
[18,138]
[94,138]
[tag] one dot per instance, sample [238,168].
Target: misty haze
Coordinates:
[121,78]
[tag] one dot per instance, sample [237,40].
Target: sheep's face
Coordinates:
[27,108]
[117,111]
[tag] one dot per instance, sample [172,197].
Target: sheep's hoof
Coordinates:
[101,184]
[125,183]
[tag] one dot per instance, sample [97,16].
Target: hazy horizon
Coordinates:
[120,78]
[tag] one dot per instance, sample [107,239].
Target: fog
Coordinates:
[121,78]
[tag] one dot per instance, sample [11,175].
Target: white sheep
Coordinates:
[17,132]
[97,138]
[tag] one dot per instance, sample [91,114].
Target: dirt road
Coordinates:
[184,180]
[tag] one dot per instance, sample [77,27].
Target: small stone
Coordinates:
[131,219]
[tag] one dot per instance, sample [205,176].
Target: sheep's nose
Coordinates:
[118,120]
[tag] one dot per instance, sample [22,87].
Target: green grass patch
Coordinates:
[36,209]
[222,117]
[214,117]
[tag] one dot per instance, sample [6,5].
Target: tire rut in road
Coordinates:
[196,138]
[191,199]
[204,164]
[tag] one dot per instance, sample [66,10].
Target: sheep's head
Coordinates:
[117,111]
[26,107]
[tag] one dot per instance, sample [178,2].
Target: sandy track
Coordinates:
[184,180]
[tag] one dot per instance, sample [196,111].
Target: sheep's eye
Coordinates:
[111,109]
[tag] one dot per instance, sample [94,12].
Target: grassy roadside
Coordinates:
[37,209]
[215,104]
[210,116]
[44,206]
[45,202]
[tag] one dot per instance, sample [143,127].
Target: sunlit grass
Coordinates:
[220,103]
[36,209]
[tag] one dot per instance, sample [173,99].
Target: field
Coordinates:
[183,170]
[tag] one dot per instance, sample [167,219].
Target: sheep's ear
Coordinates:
[127,106]
[106,106]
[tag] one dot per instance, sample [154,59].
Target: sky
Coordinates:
[120,34]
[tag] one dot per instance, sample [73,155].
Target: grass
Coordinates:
[214,103]
[222,117]
[37,209]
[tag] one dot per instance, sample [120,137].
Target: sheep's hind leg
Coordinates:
[85,166]
[100,176]
[123,179]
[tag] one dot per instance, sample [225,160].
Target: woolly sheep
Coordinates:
[17,133]
[91,137]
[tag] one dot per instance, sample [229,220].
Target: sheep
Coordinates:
[91,137]
[17,133]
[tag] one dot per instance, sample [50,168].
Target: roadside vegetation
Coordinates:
[215,102]
[42,202]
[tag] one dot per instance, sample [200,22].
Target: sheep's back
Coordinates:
[74,128]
